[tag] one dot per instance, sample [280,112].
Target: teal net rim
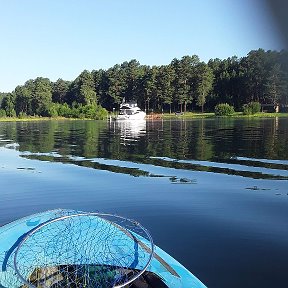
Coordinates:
[102,216]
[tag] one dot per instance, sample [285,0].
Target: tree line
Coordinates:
[184,84]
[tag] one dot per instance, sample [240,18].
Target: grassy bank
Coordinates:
[187,115]
[190,115]
[263,114]
[32,118]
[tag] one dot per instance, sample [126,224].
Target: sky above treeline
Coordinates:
[61,38]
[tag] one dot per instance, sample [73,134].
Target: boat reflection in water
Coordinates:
[129,130]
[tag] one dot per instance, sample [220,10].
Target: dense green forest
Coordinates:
[186,84]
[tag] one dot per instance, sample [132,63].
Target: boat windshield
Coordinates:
[126,112]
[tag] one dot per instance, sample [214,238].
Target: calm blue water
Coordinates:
[213,193]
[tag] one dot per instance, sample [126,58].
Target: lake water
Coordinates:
[212,192]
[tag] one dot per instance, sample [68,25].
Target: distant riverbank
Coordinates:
[212,115]
[33,118]
[187,115]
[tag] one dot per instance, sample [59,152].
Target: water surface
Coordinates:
[213,193]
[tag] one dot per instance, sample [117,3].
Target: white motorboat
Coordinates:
[130,111]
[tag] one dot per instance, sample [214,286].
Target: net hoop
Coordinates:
[101,216]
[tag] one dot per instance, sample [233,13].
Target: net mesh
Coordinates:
[83,250]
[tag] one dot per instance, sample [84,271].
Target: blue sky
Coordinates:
[61,38]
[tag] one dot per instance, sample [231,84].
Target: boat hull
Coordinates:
[139,116]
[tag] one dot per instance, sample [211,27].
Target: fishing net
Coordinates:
[83,250]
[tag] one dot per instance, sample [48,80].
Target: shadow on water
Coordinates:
[227,146]
[120,168]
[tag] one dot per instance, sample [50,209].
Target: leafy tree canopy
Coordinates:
[184,84]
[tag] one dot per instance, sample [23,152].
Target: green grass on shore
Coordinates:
[187,115]
[212,115]
[31,118]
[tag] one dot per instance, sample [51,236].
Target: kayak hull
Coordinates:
[172,273]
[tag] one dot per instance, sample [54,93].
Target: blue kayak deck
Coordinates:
[173,274]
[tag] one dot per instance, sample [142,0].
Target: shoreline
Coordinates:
[235,115]
[187,115]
